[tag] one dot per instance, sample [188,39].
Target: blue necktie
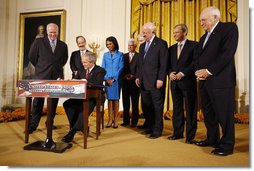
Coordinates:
[206,39]
[147,47]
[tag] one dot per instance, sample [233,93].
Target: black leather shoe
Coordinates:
[175,137]
[69,137]
[142,127]
[125,124]
[221,152]
[133,125]
[191,141]
[154,136]
[146,132]
[203,143]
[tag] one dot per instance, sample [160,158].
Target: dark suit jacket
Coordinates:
[130,68]
[154,66]
[76,63]
[48,65]
[218,55]
[184,64]
[96,76]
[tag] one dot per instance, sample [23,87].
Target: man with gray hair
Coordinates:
[48,55]
[151,78]
[215,69]
[130,91]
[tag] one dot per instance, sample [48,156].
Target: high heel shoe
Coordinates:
[109,124]
[115,125]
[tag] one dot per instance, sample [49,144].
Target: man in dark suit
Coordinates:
[75,60]
[74,107]
[130,91]
[183,84]
[215,69]
[151,78]
[48,55]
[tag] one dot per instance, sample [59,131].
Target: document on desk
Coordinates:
[52,88]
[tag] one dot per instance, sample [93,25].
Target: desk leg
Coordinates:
[28,114]
[49,143]
[85,114]
[98,117]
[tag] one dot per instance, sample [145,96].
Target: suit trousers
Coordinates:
[37,109]
[130,92]
[152,106]
[74,111]
[189,98]
[218,109]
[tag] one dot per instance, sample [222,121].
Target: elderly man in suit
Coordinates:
[183,84]
[48,55]
[130,91]
[151,78]
[75,60]
[74,107]
[215,69]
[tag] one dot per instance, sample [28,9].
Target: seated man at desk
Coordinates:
[94,74]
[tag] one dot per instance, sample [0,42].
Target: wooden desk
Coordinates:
[49,144]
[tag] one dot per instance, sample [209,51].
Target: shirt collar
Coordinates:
[182,42]
[51,41]
[214,27]
[151,40]
[91,69]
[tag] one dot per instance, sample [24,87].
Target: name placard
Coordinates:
[52,88]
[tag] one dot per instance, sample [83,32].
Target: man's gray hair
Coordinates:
[91,56]
[132,41]
[213,11]
[151,26]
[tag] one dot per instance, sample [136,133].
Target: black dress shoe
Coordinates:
[203,143]
[221,152]
[175,137]
[146,132]
[133,125]
[125,124]
[154,136]
[69,137]
[142,127]
[191,141]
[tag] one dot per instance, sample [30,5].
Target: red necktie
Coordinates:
[87,74]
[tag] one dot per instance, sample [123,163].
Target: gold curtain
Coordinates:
[167,13]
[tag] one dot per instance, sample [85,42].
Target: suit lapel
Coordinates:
[184,49]
[47,43]
[152,45]
[213,34]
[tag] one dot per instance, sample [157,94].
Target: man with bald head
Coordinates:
[215,70]
[151,78]
[48,55]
